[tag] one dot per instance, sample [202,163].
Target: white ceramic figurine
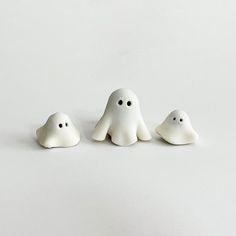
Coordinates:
[177,129]
[122,120]
[58,131]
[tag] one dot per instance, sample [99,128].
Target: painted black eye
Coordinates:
[174,118]
[66,124]
[60,125]
[120,102]
[129,103]
[181,120]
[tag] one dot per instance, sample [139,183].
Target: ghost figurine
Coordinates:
[122,120]
[58,131]
[177,129]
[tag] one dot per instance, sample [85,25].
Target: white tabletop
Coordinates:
[69,56]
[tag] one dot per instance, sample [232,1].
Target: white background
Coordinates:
[69,56]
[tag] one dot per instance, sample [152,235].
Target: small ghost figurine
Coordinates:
[58,131]
[177,129]
[122,120]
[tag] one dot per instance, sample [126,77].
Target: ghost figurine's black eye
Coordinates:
[60,125]
[129,103]
[181,120]
[66,124]
[174,118]
[120,102]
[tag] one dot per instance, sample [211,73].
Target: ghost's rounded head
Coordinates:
[58,121]
[178,117]
[123,101]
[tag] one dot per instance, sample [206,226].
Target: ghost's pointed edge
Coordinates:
[195,136]
[39,135]
[143,132]
[37,132]
[101,129]
[78,134]
[157,130]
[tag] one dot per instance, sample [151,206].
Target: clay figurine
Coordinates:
[177,129]
[58,131]
[122,120]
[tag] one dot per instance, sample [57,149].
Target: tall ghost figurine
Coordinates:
[122,120]
[58,131]
[177,129]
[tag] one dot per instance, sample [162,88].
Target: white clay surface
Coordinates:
[58,131]
[122,120]
[177,129]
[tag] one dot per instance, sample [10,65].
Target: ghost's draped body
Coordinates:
[122,120]
[58,131]
[177,129]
